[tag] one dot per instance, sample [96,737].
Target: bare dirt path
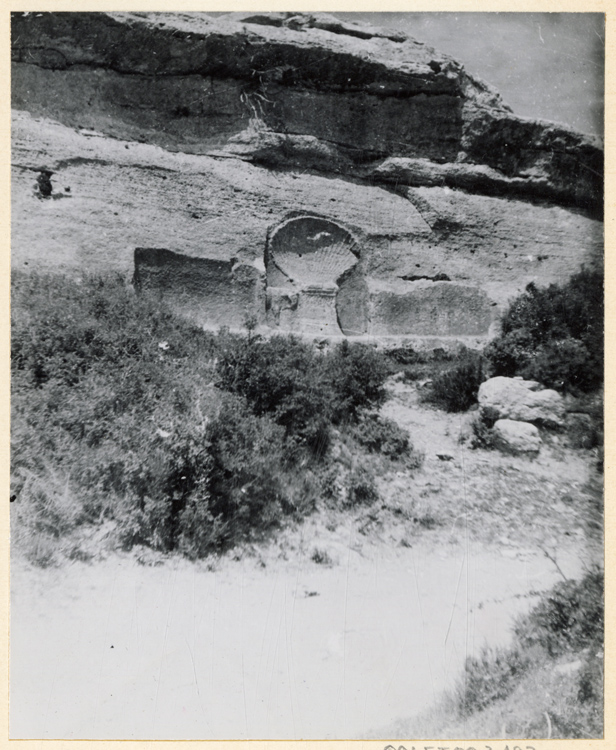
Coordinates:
[292,650]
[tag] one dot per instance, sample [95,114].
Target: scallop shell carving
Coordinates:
[312,251]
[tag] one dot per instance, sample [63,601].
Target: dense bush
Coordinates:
[115,417]
[247,479]
[456,386]
[554,335]
[302,390]
[184,440]
[355,374]
[380,435]
[567,621]
[481,435]
[360,487]
[584,425]
[63,329]
[491,676]
[280,377]
[570,618]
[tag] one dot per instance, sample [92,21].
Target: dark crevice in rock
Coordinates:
[417,277]
[422,87]
[469,178]
[364,155]
[321,21]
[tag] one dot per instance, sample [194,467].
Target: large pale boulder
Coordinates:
[521,400]
[515,437]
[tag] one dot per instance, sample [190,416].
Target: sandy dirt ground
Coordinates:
[289,650]
[279,642]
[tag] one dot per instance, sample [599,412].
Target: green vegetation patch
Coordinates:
[182,440]
[560,643]
[554,335]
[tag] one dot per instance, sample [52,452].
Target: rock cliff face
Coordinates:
[315,175]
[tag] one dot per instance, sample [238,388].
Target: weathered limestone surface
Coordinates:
[219,292]
[436,308]
[511,436]
[523,400]
[209,138]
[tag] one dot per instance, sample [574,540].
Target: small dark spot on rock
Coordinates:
[13,498]
[126,145]
[436,67]
[195,216]
[115,213]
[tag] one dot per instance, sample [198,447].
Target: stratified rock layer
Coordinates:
[446,203]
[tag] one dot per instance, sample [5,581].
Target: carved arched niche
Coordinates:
[313,279]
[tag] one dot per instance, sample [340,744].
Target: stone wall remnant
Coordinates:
[209,291]
[425,308]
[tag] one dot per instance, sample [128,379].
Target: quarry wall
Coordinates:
[316,176]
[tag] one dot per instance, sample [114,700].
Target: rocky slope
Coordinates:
[202,137]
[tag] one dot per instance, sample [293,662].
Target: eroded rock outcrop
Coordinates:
[517,438]
[428,203]
[522,400]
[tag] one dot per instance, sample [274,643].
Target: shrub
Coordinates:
[404,355]
[113,394]
[279,377]
[63,328]
[321,557]
[120,407]
[570,618]
[490,677]
[455,388]
[360,487]
[46,513]
[585,427]
[355,375]
[380,435]
[246,483]
[303,391]
[481,434]
[554,335]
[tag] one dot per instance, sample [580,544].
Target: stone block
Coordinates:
[511,436]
